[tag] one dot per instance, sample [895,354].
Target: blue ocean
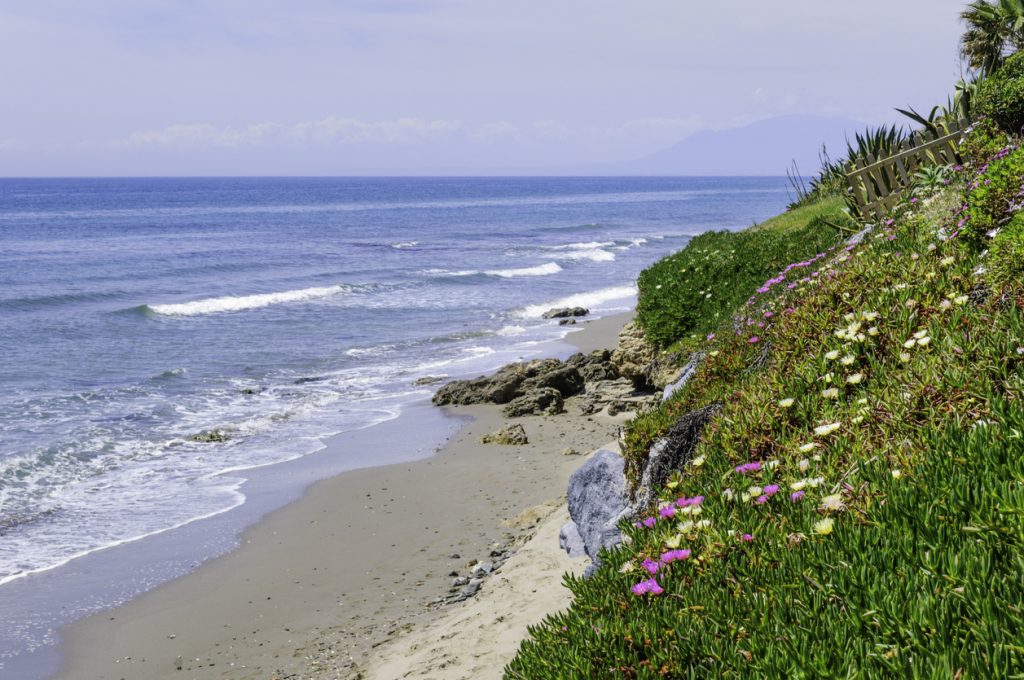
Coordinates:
[162,337]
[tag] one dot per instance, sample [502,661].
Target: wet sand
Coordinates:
[316,588]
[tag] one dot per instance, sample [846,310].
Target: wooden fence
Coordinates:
[876,185]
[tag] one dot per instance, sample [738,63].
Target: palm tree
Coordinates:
[994,28]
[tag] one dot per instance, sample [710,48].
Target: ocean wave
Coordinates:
[540,270]
[447,272]
[240,303]
[589,299]
[595,255]
[405,245]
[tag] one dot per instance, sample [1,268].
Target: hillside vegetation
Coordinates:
[856,508]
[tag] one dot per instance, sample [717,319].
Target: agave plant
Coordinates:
[930,179]
[958,107]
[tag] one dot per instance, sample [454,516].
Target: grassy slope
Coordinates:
[903,554]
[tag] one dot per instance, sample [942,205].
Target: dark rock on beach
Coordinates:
[428,380]
[513,381]
[510,435]
[209,437]
[565,312]
[545,400]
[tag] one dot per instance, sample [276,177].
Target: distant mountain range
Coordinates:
[767,147]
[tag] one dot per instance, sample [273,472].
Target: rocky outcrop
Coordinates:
[565,312]
[597,502]
[689,370]
[671,453]
[510,435]
[544,400]
[617,396]
[634,355]
[510,382]
[570,541]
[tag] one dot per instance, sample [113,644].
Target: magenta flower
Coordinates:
[754,340]
[711,336]
[649,586]
[761,500]
[796,496]
[675,556]
[667,512]
[771,489]
[748,467]
[650,565]
[769,314]
[747,538]
[650,522]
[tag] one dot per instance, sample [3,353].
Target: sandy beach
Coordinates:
[338,579]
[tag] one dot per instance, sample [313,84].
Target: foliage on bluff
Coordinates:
[857,507]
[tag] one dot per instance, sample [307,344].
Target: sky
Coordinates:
[342,87]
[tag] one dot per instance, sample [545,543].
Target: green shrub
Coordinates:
[692,292]
[991,195]
[982,143]
[1006,253]
[1001,95]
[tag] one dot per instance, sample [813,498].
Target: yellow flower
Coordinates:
[713,353]
[697,462]
[897,473]
[870,316]
[960,299]
[824,527]
[946,261]
[873,331]
[786,403]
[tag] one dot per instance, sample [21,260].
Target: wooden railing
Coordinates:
[876,184]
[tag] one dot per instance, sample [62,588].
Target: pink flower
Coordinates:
[754,340]
[771,489]
[667,512]
[796,496]
[649,586]
[711,336]
[748,467]
[650,522]
[675,556]
[650,565]
[747,538]
[761,500]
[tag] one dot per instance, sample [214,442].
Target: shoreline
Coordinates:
[294,599]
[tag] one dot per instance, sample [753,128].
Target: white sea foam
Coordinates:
[595,255]
[509,331]
[405,244]
[589,299]
[539,270]
[448,272]
[235,304]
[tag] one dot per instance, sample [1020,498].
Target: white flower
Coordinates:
[849,317]
[960,299]
[815,482]
[823,430]
[945,304]
[830,393]
[946,261]
[713,353]
[770,464]
[803,465]
[754,491]
[833,503]
[786,403]
[897,473]
[697,462]
[728,494]
[824,527]
[924,341]
[855,378]
[833,355]
[920,334]
[869,316]
[798,485]
[904,357]
[847,360]
[827,378]
[685,527]
[873,331]
[910,343]
[804,448]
